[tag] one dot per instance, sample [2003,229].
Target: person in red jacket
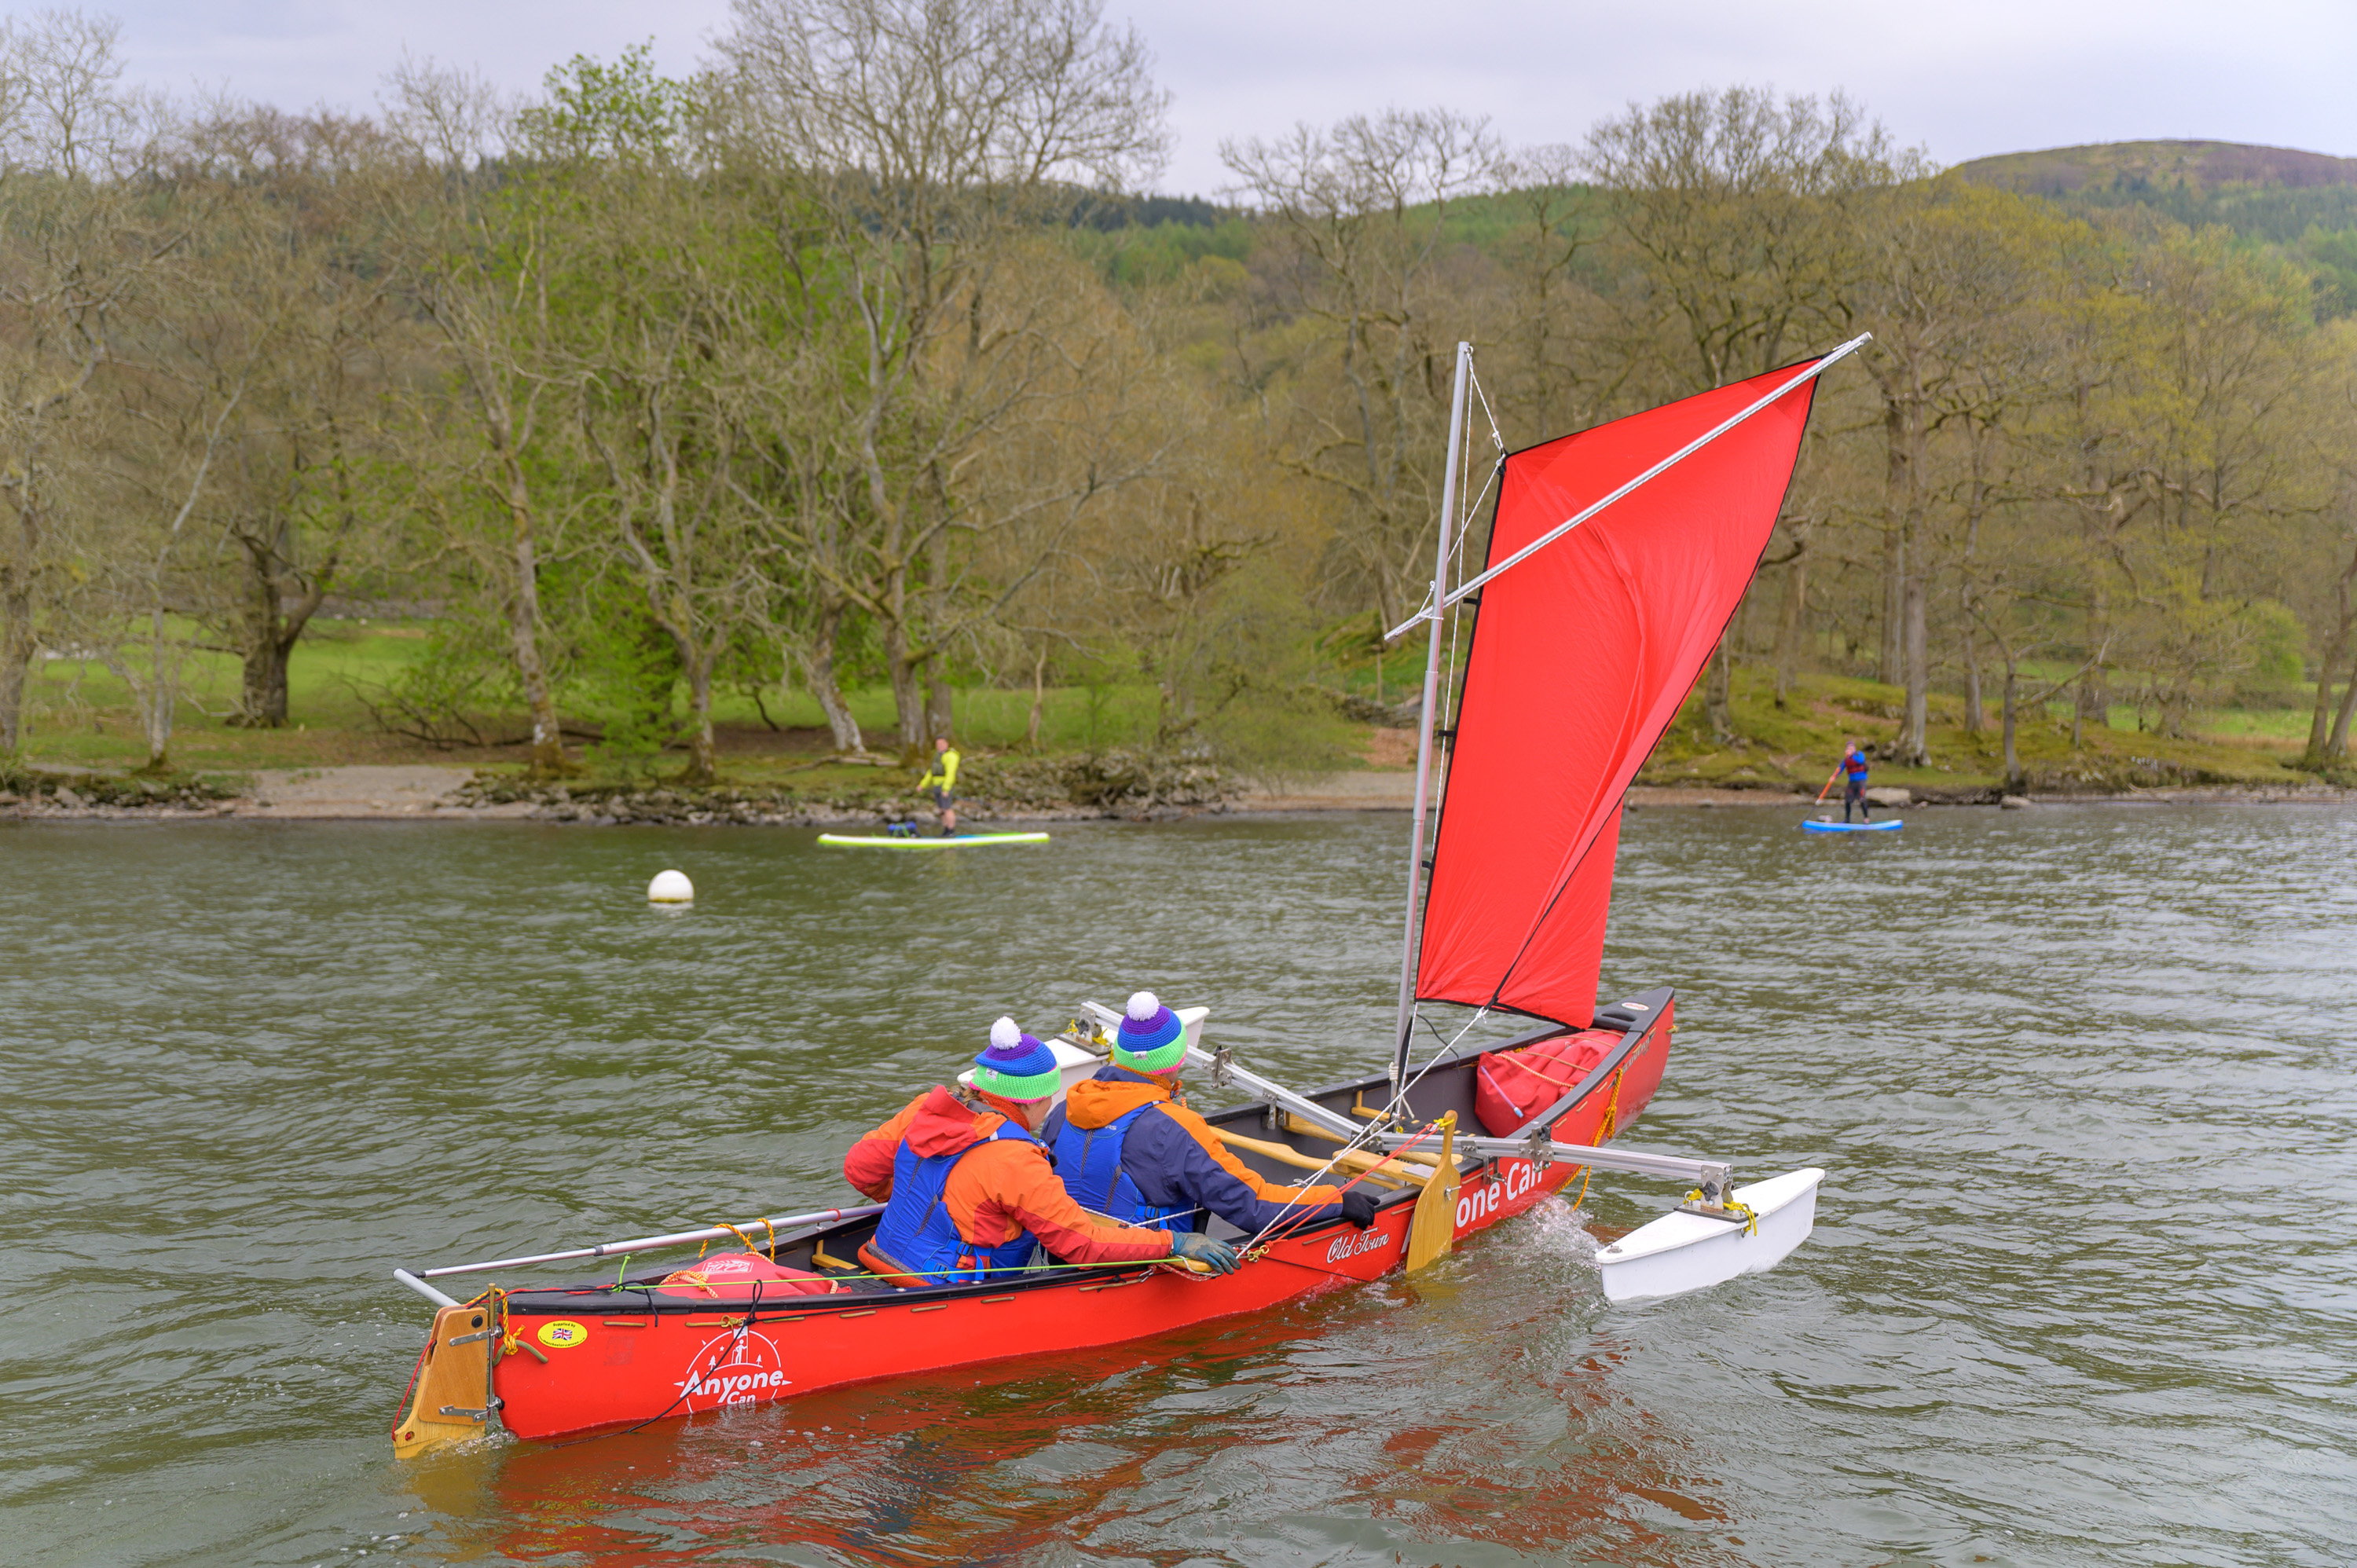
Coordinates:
[968,1194]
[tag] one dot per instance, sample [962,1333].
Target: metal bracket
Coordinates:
[1219,1059]
[470,1338]
[1712,1186]
[1540,1148]
[483,1414]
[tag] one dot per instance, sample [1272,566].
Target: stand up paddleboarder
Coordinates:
[940,783]
[1853,763]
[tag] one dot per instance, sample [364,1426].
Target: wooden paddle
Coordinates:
[1433,1232]
[1309,1129]
[1350,1160]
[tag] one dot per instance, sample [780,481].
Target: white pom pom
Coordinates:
[1004,1035]
[1144,1006]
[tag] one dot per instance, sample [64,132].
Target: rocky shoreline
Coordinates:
[1111,787]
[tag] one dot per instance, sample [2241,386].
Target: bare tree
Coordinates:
[477,266]
[926,143]
[76,246]
[1361,209]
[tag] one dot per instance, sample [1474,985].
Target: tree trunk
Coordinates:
[2013,778]
[2324,751]
[2336,748]
[702,754]
[159,705]
[1715,694]
[940,716]
[16,651]
[1914,739]
[1788,635]
[1899,481]
[1039,700]
[2094,703]
[1974,720]
[1889,659]
[262,701]
[548,759]
[272,628]
[818,668]
[2175,706]
[17,643]
[907,689]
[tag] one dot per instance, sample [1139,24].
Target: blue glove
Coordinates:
[1197,1248]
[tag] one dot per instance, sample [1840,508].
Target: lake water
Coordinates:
[2081,1292]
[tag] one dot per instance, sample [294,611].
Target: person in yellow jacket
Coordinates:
[940,783]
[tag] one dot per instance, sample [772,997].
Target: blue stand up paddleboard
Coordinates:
[904,841]
[1813,826]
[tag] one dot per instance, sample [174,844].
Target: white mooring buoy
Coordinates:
[670,887]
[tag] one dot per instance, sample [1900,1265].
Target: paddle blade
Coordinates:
[1434,1231]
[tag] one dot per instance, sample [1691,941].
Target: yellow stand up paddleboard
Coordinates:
[956,841]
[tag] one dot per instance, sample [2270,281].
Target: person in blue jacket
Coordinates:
[1854,787]
[1127,1148]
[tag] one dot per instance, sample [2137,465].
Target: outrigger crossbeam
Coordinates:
[1710,1176]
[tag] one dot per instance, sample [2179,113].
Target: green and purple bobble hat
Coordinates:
[1015,1066]
[1150,1039]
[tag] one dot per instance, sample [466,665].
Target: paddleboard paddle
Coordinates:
[1826,816]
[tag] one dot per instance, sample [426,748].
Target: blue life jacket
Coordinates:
[1089,1164]
[918,1234]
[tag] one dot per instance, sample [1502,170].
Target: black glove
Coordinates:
[1359,1207]
[1198,1247]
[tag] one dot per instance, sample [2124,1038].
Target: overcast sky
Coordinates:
[1960,80]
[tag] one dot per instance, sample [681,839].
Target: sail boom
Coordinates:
[1433,612]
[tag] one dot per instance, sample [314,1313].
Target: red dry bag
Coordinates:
[1512,1087]
[733,1276]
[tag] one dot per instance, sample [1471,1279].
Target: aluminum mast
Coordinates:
[1424,736]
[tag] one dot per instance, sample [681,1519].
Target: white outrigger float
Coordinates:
[1620,554]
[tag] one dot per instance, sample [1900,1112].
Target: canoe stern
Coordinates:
[450,1392]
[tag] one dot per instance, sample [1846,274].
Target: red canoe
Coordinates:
[545,1362]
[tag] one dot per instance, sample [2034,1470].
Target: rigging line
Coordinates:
[1356,1139]
[1448,1049]
[1465,525]
[1496,439]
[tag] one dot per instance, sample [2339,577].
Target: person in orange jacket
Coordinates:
[1125,1146]
[968,1194]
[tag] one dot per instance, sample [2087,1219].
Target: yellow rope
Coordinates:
[1604,1130]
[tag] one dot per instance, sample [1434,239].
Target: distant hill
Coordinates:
[2149,168]
[2279,195]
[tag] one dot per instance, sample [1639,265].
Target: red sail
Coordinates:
[1581,656]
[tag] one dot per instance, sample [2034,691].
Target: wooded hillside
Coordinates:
[858,361]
